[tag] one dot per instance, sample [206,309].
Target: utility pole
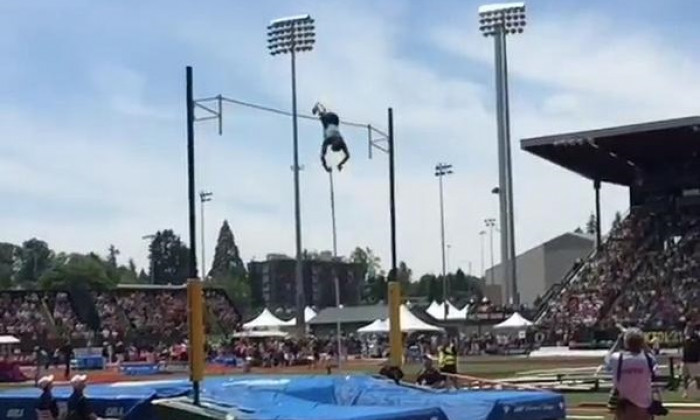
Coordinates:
[204,197]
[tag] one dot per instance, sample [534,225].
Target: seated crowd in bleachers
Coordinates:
[158,315]
[645,274]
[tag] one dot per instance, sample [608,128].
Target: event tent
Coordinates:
[409,323]
[515,322]
[260,334]
[437,311]
[378,326]
[309,314]
[266,320]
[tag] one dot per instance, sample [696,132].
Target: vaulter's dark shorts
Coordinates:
[449,369]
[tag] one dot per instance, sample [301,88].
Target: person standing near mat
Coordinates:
[633,371]
[448,361]
[46,407]
[691,359]
[78,404]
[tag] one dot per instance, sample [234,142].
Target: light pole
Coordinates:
[150,256]
[481,243]
[292,35]
[449,248]
[499,20]
[204,197]
[491,223]
[442,169]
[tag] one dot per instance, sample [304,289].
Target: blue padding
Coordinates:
[141,370]
[307,398]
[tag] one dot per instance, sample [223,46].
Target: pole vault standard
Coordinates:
[212,108]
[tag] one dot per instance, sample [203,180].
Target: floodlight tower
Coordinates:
[292,35]
[500,20]
[442,169]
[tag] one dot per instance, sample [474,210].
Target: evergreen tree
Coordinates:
[169,258]
[591,225]
[617,221]
[227,268]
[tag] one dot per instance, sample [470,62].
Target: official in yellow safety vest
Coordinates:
[448,359]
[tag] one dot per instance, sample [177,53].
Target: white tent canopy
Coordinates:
[516,321]
[260,334]
[266,320]
[9,339]
[309,314]
[378,326]
[437,311]
[409,323]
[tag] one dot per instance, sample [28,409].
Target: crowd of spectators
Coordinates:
[222,309]
[644,275]
[21,315]
[64,316]
[580,303]
[156,314]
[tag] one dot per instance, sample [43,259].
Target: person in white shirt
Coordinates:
[633,371]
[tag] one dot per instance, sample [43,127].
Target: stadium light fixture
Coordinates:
[292,35]
[499,20]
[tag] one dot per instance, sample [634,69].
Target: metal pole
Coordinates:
[598,237]
[392,193]
[299,274]
[442,246]
[493,268]
[336,281]
[512,257]
[191,197]
[481,243]
[502,175]
[204,268]
[393,287]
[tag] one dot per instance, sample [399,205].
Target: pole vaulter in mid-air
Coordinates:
[331,136]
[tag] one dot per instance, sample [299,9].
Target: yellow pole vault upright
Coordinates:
[195,300]
[395,339]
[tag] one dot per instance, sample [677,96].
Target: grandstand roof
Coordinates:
[616,155]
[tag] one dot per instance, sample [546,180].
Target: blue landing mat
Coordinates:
[357,397]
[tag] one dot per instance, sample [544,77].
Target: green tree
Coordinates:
[128,274]
[403,275]
[591,224]
[227,268]
[578,230]
[429,287]
[169,258]
[9,257]
[617,221]
[371,263]
[113,252]
[35,259]
[375,290]
[143,277]
[76,270]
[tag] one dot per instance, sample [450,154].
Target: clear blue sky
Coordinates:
[93,144]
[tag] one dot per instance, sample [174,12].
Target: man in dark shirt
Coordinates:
[691,359]
[78,405]
[331,136]
[429,376]
[392,372]
[67,354]
[46,407]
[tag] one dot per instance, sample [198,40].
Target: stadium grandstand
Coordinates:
[645,271]
[129,314]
